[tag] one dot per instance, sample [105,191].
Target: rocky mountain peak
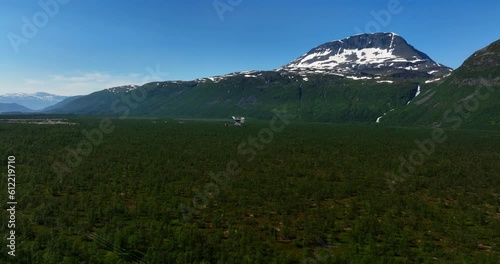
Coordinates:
[385,54]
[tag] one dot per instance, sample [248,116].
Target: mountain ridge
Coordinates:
[366,94]
[35,101]
[14,108]
[468,98]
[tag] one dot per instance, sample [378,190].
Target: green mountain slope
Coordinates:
[61,104]
[324,98]
[468,98]
[97,103]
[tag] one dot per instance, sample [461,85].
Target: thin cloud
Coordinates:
[82,83]
[34,82]
[85,77]
[85,83]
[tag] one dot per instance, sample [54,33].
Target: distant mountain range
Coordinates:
[364,78]
[14,108]
[34,101]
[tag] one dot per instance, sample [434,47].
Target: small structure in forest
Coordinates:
[238,121]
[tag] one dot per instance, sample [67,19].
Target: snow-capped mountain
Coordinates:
[121,89]
[385,54]
[35,101]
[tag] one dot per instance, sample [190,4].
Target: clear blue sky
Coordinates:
[89,45]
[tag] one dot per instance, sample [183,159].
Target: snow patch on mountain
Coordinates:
[355,56]
[216,79]
[121,89]
[382,53]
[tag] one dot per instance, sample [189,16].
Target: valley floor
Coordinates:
[164,191]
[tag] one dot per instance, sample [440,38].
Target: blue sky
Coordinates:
[81,46]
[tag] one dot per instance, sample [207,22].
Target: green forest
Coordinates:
[153,190]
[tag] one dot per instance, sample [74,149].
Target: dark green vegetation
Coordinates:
[468,98]
[316,191]
[322,98]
